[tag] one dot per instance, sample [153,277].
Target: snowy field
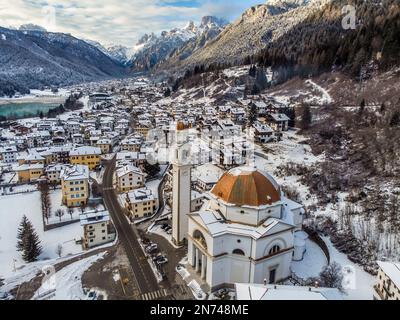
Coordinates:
[12,208]
[67,282]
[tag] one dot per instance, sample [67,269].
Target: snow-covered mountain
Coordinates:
[258,26]
[32,58]
[152,49]
[119,53]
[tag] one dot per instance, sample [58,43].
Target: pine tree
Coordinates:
[31,245]
[306,118]
[362,107]
[251,114]
[21,233]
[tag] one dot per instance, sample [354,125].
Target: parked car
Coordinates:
[160,259]
[164,226]
[151,247]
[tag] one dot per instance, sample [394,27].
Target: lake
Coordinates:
[25,109]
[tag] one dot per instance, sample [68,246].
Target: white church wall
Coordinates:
[280,262]
[273,211]
[263,245]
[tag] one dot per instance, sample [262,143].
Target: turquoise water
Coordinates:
[24,110]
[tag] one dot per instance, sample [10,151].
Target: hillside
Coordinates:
[305,39]
[30,59]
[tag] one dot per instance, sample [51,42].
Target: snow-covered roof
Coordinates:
[86,150]
[392,270]
[25,167]
[128,168]
[140,195]
[246,291]
[208,173]
[262,128]
[76,172]
[215,224]
[91,217]
[279,117]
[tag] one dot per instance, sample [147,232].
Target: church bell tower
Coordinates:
[181,186]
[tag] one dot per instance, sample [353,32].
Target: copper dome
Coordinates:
[245,186]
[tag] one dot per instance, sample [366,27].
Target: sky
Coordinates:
[115,21]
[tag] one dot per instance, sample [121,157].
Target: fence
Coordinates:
[314,236]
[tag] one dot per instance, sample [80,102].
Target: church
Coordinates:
[244,232]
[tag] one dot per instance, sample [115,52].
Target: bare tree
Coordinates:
[70,212]
[331,276]
[45,200]
[59,213]
[59,250]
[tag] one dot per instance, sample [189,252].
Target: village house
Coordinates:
[29,172]
[75,186]
[129,178]
[8,154]
[141,203]
[97,228]
[278,121]
[262,132]
[105,145]
[206,176]
[89,156]
[53,172]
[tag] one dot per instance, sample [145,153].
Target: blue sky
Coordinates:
[117,22]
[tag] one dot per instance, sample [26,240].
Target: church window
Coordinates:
[239,241]
[274,249]
[238,252]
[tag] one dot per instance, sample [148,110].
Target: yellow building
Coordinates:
[75,186]
[141,203]
[88,156]
[30,172]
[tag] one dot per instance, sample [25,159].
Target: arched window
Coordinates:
[238,252]
[274,249]
[200,238]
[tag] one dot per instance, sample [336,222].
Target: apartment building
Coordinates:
[141,203]
[29,172]
[88,156]
[129,178]
[75,186]
[97,228]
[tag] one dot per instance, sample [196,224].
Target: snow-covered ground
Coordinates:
[360,283]
[67,282]
[326,97]
[313,261]
[290,150]
[12,209]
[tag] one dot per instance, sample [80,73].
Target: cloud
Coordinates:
[112,21]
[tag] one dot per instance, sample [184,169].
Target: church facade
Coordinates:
[245,231]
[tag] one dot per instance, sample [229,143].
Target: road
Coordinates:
[142,271]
